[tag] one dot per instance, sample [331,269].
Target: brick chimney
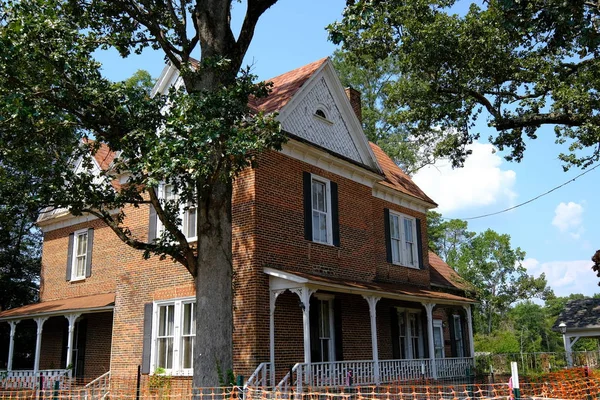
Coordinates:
[354,97]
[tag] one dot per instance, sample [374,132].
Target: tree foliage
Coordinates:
[195,138]
[522,64]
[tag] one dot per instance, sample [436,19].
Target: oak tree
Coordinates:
[195,138]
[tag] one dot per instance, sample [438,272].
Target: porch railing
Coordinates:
[260,377]
[28,379]
[98,388]
[363,373]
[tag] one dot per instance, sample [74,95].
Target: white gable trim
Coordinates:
[401,199]
[321,159]
[336,89]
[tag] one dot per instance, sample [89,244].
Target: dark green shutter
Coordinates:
[313,315]
[335,215]
[420,245]
[147,339]
[388,236]
[452,334]
[70,256]
[307,188]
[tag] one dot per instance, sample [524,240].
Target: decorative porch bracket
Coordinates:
[429,309]
[372,301]
[72,318]
[38,343]
[11,345]
[304,294]
[273,294]
[470,329]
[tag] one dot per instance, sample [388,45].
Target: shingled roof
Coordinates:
[580,314]
[397,179]
[442,275]
[285,87]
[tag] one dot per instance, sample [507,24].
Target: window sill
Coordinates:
[406,266]
[324,244]
[80,279]
[175,373]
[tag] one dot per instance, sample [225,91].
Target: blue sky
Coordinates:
[559,232]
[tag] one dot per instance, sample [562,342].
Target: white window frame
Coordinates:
[409,351]
[400,241]
[438,324]
[328,214]
[76,235]
[327,299]
[183,215]
[178,336]
[458,338]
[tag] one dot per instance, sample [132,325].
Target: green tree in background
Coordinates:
[519,64]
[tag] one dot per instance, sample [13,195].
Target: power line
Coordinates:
[530,200]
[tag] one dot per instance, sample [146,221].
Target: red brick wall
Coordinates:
[53,345]
[268,230]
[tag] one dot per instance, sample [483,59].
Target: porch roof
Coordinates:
[97,302]
[289,280]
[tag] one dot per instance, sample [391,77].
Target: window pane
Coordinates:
[187,348]
[395,250]
[81,244]
[408,230]
[318,195]
[325,329]
[191,223]
[394,227]
[188,319]
[165,353]
[80,270]
[410,255]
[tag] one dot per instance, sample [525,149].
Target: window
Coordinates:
[321,210]
[79,255]
[326,349]
[320,113]
[186,214]
[438,338]
[410,334]
[403,243]
[458,336]
[173,336]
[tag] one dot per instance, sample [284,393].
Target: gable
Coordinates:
[332,133]
[340,131]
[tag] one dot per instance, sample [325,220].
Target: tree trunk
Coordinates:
[213,348]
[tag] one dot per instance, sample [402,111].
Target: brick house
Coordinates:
[330,257]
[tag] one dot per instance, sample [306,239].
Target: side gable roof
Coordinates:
[443,275]
[285,86]
[397,179]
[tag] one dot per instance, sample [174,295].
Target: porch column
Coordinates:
[72,318]
[272,300]
[11,344]
[372,300]
[470,329]
[304,293]
[38,343]
[429,310]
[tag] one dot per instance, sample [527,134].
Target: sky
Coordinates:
[559,231]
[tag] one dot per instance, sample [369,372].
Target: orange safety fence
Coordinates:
[576,384]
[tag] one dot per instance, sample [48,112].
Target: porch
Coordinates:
[57,341]
[362,333]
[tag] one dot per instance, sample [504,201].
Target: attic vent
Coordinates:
[320,113]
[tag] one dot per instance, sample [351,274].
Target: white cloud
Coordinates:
[568,219]
[566,277]
[481,182]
